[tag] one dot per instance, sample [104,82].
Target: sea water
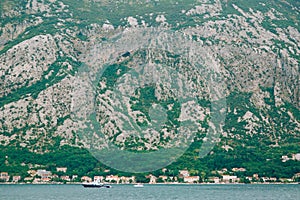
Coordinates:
[155,192]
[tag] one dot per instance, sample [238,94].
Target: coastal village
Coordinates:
[38,175]
[224,176]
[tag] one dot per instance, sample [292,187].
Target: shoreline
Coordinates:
[183,184]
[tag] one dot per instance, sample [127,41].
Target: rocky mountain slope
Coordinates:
[62,60]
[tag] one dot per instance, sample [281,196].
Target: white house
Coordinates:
[127,179]
[230,179]
[4,176]
[273,179]
[61,169]
[164,178]
[214,179]
[98,178]
[112,178]
[191,179]
[152,179]
[284,158]
[16,178]
[86,179]
[296,156]
[65,178]
[44,174]
[238,169]
[184,173]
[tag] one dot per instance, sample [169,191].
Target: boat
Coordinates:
[138,185]
[95,184]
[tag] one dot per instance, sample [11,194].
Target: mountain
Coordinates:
[142,70]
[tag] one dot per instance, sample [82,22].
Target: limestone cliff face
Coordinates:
[55,61]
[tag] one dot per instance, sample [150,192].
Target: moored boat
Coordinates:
[95,184]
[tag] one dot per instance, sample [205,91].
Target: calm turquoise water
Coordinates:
[164,192]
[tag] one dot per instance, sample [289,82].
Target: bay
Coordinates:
[149,192]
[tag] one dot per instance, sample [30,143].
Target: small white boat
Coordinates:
[95,184]
[138,185]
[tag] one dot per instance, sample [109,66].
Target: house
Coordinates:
[98,178]
[16,179]
[4,176]
[296,156]
[273,179]
[239,169]
[297,175]
[127,179]
[41,180]
[43,173]
[36,180]
[152,179]
[214,179]
[86,179]
[74,177]
[164,170]
[173,178]
[55,176]
[191,179]
[28,179]
[112,178]
[222,171]
[255,176]
[184,173]
[32,172]
[164,178]
[230,179]
[265,179]
[46,179]
[286,180]
[269,179]
[284,158]
[61,169]
[65,178]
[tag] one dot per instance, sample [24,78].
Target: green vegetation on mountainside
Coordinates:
[259,151]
